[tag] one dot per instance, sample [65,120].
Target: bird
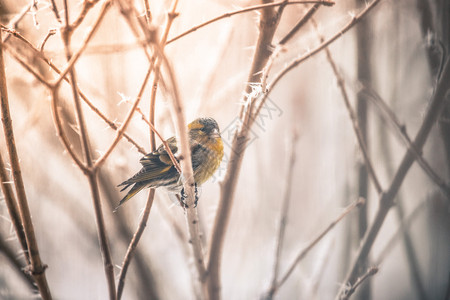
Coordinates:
[158,170]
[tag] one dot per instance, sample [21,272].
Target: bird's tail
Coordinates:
[134,190]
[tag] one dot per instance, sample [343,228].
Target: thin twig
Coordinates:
[401,129]
[151,196]
[90,170]
[185,157]
[404,226]
[13,23]
[143,267]
[26,66]
[285,207]
[163,141]
[311,245]
[187,172]
[61,133]
[352,115]
[267,25]
[13,209]
[134,242]
[16,263]
[300,24]
[245,10]
[171,15]
[148,13]
[123,127]
[387,199]
[311,53]
[55,11]
[87,5]
[132,17]
[75,56]
[370,272]
[82,95]
[50,33]
[37,268]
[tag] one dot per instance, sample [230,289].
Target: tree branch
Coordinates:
[311,53]
[267,26]
[248,9]
[370,272]
[353,117]
[387,198]
[37,268]
[13,209]
[274,288]
[285,208]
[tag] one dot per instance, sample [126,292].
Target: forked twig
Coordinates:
[311,245]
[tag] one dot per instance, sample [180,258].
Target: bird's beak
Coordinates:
[215,133]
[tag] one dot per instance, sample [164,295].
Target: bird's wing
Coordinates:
[160,155]
[154,164]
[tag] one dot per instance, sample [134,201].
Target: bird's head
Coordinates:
[202,128]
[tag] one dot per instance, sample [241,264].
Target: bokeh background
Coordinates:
[396,51]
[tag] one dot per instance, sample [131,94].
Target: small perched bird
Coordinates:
[158,170]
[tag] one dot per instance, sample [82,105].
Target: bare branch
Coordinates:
[134,242]
[404,226]
[48,84]
[370,272]
[37,268]
[300,24]
[311,53]
[311,245]
[148,13]
[13,209]
[77,54]
[90,170]
[245,10]
[387,199]
[163,141]
[60,131]
[285,207]
[401,129]
[17,265]
[120,131]
[50,33]
[151,196]
[352,115]
[267,25]
[87,5]
[55,11]
[13,23]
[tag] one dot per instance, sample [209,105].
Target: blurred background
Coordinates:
[395,52]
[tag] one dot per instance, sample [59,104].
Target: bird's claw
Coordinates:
[184,196]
